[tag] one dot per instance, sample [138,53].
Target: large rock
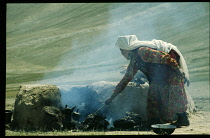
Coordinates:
[37,107]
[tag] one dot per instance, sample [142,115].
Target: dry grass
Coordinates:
[75,133]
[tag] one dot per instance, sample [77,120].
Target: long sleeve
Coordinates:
[154,56]
[126,79]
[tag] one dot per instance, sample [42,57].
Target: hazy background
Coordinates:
[73,43]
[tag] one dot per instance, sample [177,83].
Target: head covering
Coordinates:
[131,42]
[128,42]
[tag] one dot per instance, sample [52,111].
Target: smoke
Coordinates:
[85,99]
[87,63]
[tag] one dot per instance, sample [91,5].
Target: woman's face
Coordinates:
[125,53]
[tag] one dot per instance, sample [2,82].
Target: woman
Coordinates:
[166,70]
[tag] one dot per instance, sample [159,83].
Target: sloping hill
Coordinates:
[73,43]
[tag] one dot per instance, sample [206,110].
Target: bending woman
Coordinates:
[166,70]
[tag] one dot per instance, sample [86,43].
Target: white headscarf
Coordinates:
[131,42]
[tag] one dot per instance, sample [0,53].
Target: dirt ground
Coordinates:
[199,124]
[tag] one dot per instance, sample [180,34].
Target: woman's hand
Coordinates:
[108,101]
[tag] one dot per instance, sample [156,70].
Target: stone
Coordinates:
[37,107]
[51,119]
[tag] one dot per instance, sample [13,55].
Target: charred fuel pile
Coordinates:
[130,121]
[95,122]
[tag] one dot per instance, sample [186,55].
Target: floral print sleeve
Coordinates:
[154,56]
[126,79]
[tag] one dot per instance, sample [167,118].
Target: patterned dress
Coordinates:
[166,95]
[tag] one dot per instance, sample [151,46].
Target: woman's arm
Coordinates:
[123,83]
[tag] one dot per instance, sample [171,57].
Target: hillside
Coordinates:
[73,43]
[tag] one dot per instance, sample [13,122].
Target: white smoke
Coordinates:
[88,63]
